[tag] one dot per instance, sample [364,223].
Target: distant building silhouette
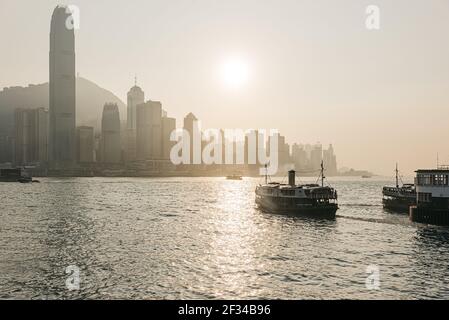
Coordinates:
[149,131]
[168,126]
[85,144]
[330,161]
[316,156]
[254,144]
[190,122]
[111,151]
[299,157]
[7,148]
[283,152]
[31,136]
[136,96]
[62,111]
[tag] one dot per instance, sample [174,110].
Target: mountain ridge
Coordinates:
[90,99]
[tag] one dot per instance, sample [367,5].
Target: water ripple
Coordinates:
[203,238]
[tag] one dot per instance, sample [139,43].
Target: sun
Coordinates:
[235,72]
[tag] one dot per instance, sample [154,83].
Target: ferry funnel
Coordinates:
[291,178]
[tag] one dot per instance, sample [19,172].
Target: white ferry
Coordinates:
[432,188]
[307,199]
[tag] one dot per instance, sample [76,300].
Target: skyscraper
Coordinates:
[110,134]
[149,131]
[136,96]
[191,125]
[253,141]
[31,132]
[85,144]
[316,156]
[330,161]
[168,126]
[299,157]
[62,89]
[283,152]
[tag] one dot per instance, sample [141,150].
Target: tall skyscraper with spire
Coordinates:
[62,146]
[136,96]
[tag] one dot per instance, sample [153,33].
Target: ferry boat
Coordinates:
[399,198]
[432,188]
[234,177]
[307,199]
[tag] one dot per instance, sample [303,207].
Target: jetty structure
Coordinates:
[432,188]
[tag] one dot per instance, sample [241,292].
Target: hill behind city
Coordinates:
[90,99]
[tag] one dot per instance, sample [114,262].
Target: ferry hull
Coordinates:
[433,216]
[398,205]
[320,210]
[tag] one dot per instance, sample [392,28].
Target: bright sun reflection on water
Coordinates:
[232,250]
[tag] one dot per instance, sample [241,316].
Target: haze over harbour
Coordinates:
[389,98]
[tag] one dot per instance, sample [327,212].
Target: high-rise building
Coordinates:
[111,151]
[283,152]
[149,131]
[31,132]
[7,148]
[299,157]
[191,125]
[85,144]
[62,147]
[330,161]
[136,96]
[316,156]
[168,126]
[254,148]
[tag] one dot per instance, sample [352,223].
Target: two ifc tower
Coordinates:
[62,125]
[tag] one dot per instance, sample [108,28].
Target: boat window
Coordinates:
[432,180]
[288,192]
[424,197]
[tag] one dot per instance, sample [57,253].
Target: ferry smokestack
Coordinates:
[291,178]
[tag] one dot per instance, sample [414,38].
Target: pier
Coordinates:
[432,188]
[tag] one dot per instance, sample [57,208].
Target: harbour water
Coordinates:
[195,238]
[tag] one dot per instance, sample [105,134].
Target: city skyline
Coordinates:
[143,143]
[377,107]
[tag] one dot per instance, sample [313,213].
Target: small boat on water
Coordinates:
[308,199]
[15,175]
[234,177]
[399,198]
[25,180]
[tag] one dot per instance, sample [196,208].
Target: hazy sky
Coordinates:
[314,71]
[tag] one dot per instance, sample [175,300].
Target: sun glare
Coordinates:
[235,73]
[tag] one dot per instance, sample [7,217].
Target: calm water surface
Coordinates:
[194,238]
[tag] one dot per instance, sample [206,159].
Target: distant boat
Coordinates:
[15,175]
[366,177]
[399,198]
[309,199]
[25,180]
[234,177]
